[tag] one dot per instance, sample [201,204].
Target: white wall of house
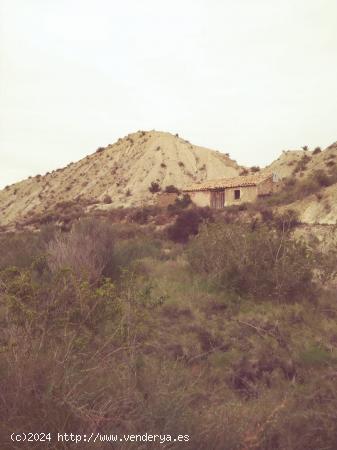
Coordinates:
[247,194]
[200,198]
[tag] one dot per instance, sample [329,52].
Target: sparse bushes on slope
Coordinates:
[302,164]
[294,189]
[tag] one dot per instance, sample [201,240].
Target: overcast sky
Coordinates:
[248,77]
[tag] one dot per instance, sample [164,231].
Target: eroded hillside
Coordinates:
[118,175]
[309,183]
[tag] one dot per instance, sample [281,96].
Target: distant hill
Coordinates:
[301,166]
[118,175]
[301,163]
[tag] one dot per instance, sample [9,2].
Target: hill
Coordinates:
[301,163]
[309,183]
[118,175]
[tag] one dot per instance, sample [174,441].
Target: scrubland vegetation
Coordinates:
[222,330]
[294,189]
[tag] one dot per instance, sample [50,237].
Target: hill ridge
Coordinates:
[117,175]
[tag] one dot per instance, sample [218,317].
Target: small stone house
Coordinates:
[232,191]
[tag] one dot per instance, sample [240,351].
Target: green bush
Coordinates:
[128,252]
[22,248]
[187,224]
[179,204]
[263,263]
[172,189]
[143,215]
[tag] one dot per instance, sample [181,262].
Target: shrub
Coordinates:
[263,263]
[179,204]
[21,249]
[172,189]
[87,250]
[267,215]
[187,224]
[321,178]
[107,199]
[155,187]
[128,252]
[244,172]
[317,150]
[142,215]
[287,220]
[181,164]
[163,165]
[255,169]
[100,150]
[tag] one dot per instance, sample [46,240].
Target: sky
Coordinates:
[248,77]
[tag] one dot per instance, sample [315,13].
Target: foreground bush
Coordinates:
[87,249]
[187,223]
[263,263]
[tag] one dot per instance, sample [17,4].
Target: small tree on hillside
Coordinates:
[155,187]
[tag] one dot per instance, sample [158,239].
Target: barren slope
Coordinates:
[319,208]
[124,171]
[291,162]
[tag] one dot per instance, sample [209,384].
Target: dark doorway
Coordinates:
[237,194]
[217,199]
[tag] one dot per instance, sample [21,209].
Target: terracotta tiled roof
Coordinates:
[241,181]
